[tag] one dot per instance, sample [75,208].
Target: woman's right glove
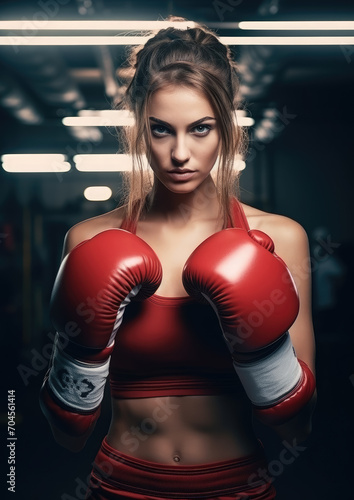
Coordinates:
[94,284]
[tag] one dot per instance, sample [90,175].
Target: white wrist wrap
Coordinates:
[266,381]
[75,383]
[78,384]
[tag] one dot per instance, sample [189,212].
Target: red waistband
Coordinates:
[116,471]
[173,385]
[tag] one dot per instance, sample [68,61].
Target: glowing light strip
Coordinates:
[296,25]
[97,121]
[117,120]
[109,25]
[124,113]
[288,40]
[245,121]
[92,25]
[98,193]
[138,40]
[73,40]
[121,163]
[30,163]
[103,163]
[105,112]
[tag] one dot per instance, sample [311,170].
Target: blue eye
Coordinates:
[156,130]
[206,130]
[161,130]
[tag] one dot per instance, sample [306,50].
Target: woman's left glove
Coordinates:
[255,299]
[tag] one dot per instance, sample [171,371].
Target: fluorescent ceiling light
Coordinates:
[287,40]
[104,163]
[296,25]
[245,121]
[29,25]
[105,112]
[121,163]
[97,193]
[107,117]
[73,40]
[29,163]
[100,118]
[138,40]
[112,118]
[240,165]
[109,25]
[124,113]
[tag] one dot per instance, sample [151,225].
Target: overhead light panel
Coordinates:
[15,40]
[98,193]
[31,163]
[31,28]
[119,163]
[82,25]
[240,164]
[287,40]
[296,25]
[119,118]
[141,40]
[100,118]
[104,163]
[245,121]
[111,25]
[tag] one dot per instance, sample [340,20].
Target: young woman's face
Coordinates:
[184,138]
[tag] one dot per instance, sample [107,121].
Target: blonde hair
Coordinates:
[193,58]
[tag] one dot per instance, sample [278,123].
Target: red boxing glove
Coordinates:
[95,282]
[255,298]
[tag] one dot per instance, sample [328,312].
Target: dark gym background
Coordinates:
[300,164]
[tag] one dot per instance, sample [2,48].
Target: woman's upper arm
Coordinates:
[291,244]
[90,227]
[81,232]
[73,237]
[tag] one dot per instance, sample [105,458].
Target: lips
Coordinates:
[180,171]
[181,174]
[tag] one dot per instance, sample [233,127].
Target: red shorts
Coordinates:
[119,476]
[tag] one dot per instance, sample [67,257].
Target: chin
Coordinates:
[182,188]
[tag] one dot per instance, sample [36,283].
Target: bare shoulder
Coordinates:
[88,228]
[288,235]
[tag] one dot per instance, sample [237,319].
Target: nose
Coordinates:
[180,152]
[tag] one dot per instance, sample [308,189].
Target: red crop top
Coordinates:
[172,346]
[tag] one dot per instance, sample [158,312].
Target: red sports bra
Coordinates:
[172,346]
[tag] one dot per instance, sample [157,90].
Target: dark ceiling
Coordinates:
[40,85]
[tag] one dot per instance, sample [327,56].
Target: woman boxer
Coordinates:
[187,370]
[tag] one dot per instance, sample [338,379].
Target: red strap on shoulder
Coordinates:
[238,214]
[128,225]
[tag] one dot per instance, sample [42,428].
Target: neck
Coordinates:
[182,208]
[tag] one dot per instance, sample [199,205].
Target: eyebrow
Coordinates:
[152,118]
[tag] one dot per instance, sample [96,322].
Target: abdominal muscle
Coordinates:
[183,430]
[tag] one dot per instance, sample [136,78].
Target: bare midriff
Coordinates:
[183,430]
